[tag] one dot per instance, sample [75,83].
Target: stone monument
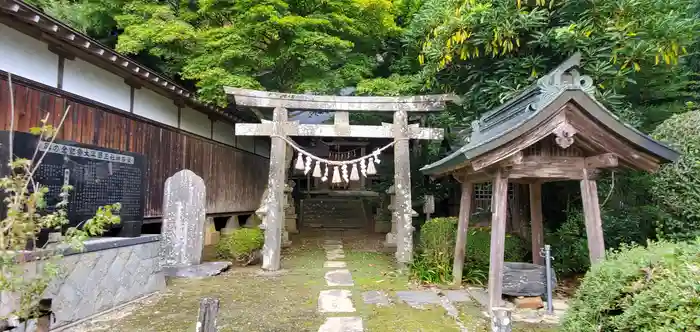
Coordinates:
[184,213]
[182,239]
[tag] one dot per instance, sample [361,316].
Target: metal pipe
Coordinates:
[548,266]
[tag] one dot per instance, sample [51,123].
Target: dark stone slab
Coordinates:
[203,270]
[525,279]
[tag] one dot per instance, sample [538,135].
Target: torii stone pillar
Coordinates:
[272,213]
[402,181]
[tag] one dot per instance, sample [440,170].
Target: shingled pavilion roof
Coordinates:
[535,106]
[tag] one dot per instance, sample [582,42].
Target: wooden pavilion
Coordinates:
[554,130]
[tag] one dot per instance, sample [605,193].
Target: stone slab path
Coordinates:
[337,300]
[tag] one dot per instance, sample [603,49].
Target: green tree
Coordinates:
[491,49]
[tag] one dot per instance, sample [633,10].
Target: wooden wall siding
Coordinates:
[235,179]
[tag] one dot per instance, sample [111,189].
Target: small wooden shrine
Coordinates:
[554,130]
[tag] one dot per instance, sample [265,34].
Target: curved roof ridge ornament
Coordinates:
[565,77]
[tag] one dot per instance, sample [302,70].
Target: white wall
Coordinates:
[224,133]
[25,56]
[151,105]
[246,143]
[92,82]
[195,122]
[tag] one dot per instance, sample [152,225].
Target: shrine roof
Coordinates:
[532,107]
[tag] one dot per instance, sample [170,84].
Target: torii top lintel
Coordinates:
[267,99]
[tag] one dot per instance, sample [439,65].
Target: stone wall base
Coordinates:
[110,272]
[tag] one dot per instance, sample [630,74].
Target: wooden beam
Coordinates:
[514,210]
[591,214]
[536,221]
[293,128]
[548,167]
[515,159]
[498,236]
[465,210]
[267,99]
[605,160]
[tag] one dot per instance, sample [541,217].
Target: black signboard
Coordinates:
[99,177]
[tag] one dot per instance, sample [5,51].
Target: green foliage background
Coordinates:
[677,186]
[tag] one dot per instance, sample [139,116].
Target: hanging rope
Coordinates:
[340,167]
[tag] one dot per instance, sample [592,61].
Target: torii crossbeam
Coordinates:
[279,127]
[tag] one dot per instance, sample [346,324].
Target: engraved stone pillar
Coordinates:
[184,204]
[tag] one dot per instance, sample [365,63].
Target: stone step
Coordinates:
[333,212]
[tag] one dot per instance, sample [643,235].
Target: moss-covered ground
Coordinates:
[287,302]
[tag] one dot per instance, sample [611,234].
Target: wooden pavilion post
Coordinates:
[591,214]
[499,211]
[536,227]
[402,182]
[465,210]
[274,218]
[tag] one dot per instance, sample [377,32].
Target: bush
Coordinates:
[625,225]
[656,288]
[677,186]
[433,262]
[570,245]
[241,245]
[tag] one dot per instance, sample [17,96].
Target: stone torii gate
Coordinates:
[280,128]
